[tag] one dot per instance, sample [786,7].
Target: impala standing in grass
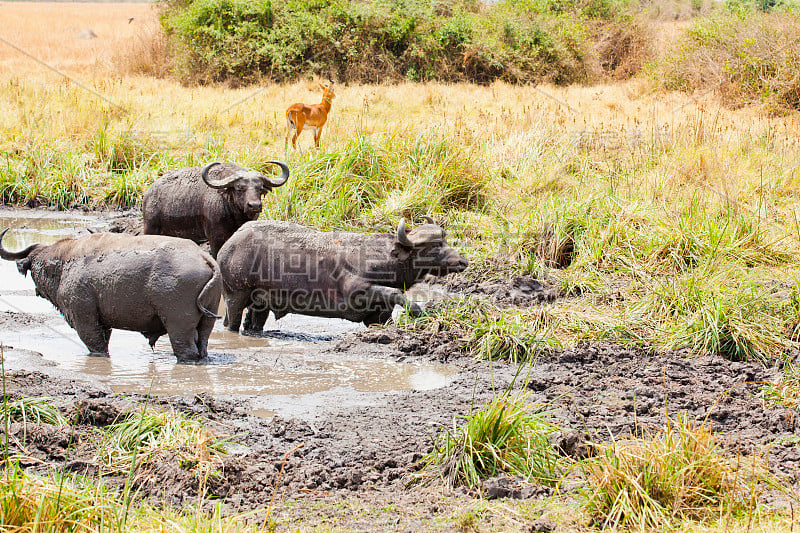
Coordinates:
[312,117]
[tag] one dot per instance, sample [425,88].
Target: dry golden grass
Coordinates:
[622,124]
[49,31]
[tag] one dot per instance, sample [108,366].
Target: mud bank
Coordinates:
[596,392]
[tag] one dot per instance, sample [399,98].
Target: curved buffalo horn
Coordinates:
[13,256]
[283,177]
[220,183]
[402,238]
[429,220]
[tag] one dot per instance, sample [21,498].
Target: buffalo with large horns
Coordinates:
[207,203]
[147,283]
[286,268]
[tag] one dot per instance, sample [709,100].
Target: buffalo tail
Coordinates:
[215,280]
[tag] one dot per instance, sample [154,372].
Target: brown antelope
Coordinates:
[312,117]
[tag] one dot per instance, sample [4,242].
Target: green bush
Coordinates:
[246,40]
[749,58]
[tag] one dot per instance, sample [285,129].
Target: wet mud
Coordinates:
[129,222]
[595,392]
[516,291]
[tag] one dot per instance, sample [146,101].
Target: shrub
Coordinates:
[749,59]
[245,40]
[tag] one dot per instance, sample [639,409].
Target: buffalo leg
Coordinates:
[84,318]
[203,332]
[380,317]
[255,319]
[390,297]
[257,312]
[151,227]
[182,339]
[93,335]
[381,301]
[234,307]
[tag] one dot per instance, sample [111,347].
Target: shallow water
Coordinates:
[286,370]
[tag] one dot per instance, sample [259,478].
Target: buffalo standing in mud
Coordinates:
[206,203]
[150,284]
[286,268]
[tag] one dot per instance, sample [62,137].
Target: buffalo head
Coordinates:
[246,186]
[427,247]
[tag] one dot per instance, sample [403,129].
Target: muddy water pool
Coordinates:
[289,370]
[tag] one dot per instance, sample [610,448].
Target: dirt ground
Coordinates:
[365,454]
[361,457]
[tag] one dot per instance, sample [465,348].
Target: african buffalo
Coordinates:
[148,283]
[286,268]
[206,203]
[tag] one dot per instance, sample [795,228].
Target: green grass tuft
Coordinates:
[505,436]
[33,410]
[146,432]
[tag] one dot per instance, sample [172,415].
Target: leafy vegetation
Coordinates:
[418,40]
[749,58]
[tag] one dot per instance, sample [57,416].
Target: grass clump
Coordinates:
[785,391]
[76,504]
[504,436]
[145,433]
[704,312]
[513,337]
[30,503]
[33,410]
[491,333]
[376,180]
[660,479]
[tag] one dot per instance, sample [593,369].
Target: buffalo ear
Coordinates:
[23,265]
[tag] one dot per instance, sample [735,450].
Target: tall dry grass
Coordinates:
[49,31]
